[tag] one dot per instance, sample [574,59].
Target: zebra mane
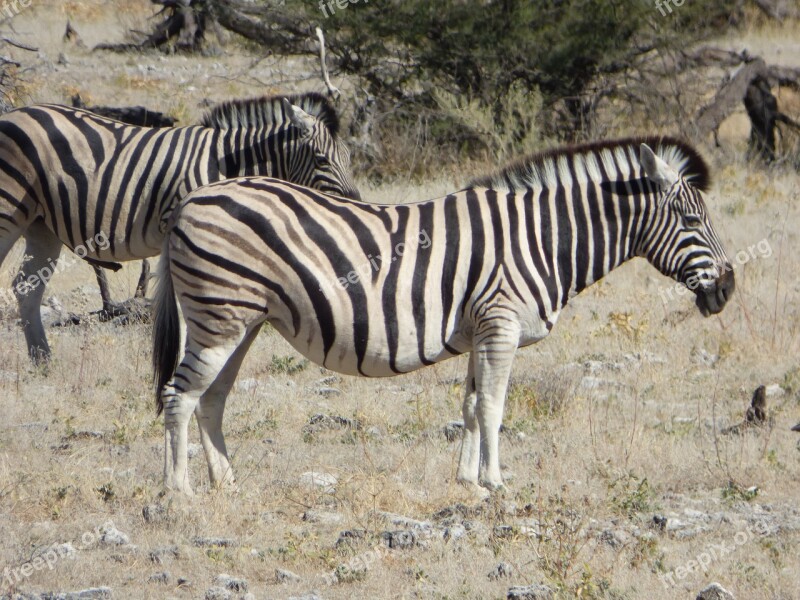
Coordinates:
[542,169]
[268,111]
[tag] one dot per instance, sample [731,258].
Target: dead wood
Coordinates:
[777,9]
[183,27]
[133,115]
[750,83]
[728,97]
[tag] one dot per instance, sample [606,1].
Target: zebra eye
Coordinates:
[322,160]
[692,221]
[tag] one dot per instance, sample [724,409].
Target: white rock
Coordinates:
[286,576]
[774,390]
[111,536]
[314,479]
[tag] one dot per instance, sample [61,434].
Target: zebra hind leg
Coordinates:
[43,248]
[470,443]
[200,379]
[209,413]
[493,358]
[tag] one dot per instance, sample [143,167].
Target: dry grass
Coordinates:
[581,455]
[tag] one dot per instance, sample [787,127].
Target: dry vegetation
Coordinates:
[613,420]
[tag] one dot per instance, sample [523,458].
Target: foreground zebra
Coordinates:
[104,189]
[378,290]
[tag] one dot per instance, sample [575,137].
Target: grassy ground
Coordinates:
[613,423]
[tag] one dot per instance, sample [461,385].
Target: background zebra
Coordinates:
[378,290]
[105,189]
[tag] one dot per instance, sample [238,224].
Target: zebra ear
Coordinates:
[299,118]
[655,169]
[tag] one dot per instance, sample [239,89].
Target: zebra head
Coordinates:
[321,159]
[680,241]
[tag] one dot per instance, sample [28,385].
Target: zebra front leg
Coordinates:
[134,309]
[43,248]
[470,442]
[209,415]
[494,354]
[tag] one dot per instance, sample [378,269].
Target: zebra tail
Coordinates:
[166,328]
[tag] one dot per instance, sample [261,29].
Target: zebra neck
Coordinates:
[246,151]
[580,234]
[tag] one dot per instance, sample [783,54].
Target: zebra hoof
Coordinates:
[476,491]
[492,486]
[171,491]
[131,311]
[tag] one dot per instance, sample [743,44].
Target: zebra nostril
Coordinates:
[726,284]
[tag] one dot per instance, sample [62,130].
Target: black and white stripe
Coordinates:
[68,176]
[483,270]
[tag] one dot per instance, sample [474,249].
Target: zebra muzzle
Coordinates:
[712,299]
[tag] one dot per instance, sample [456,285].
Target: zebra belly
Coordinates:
[372,356]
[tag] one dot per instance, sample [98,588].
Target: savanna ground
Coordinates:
[613,423]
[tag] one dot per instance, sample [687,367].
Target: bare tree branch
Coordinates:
[728,97]
[333,91]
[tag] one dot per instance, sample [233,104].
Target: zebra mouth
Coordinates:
[713,298]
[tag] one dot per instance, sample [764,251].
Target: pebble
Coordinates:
[327,392]
[160,577]
[324,517]
[701,356]
[502,570]
[164,553]
[530,592]
[453,430]
[154,513]
[714,591]
[314,479]
[98,593]
[111,536]
[230,583]
[205,542]
[454,532]
[286,576]
[350,537]
[217,593]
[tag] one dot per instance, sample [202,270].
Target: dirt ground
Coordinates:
[620,480]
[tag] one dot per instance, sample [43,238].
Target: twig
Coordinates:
[333,91]
[19,45]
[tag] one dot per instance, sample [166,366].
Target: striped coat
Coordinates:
[105,189]
[377,290]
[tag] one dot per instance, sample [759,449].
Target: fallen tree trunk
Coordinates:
[750,84]
[728,97]
[133,115]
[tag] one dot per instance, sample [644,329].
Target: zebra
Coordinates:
[105,189]
[378,290]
